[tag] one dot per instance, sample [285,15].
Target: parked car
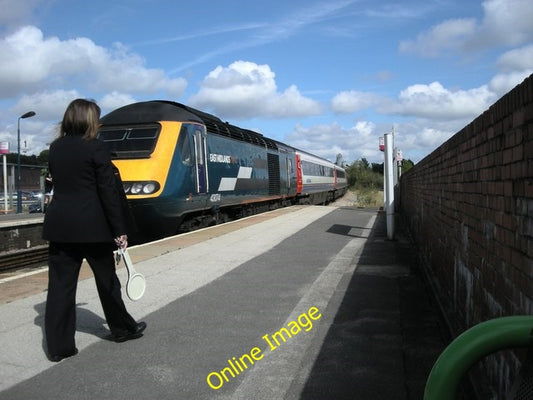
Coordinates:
[35,208]
[37,194]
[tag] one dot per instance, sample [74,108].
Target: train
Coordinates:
[184,169]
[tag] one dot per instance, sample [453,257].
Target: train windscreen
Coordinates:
[130,142]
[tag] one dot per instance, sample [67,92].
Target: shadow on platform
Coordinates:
[388,330]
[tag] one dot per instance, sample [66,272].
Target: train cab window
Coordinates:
[130,142]
[199,147]
[184,148]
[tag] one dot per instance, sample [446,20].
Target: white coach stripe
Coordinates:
[244,173]
[227,184]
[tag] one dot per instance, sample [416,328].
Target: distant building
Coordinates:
[30,177]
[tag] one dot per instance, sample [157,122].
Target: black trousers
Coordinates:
[64,261]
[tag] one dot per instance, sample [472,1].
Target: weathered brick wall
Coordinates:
[30,177]
[469,205]
[21,237]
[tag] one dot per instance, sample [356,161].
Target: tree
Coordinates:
[378,168]
[361,175]
[43,157]
[407,165]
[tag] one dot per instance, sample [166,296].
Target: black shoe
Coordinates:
[135,334]
[62,357]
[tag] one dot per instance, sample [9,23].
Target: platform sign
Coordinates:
[4,147]
[399,155]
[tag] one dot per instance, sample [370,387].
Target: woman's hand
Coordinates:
[122,241]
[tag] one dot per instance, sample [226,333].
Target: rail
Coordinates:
[34,257]
[470,347]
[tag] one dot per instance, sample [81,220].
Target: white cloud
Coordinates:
[123,71]
[448,35]
[433,101]
[38,131]
[16,11]
[507,22]
[415,137]
[504,22]
[48,105]
[114,100]
[352,101]
[328,140]
[247,90]
[520,59]
[514,66]
[31,62]
[432,138]
[502,83]
[35,135]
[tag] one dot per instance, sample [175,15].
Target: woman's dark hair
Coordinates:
[82,118]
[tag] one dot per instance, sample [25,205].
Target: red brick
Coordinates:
[518,153]
[518,117]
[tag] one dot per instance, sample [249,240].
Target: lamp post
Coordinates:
[19,193]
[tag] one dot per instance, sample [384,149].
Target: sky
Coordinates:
[326,76]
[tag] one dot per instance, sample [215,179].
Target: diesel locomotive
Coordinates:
[184,169]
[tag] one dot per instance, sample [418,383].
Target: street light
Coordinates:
[19,193]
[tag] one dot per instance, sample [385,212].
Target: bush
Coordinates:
[361,175]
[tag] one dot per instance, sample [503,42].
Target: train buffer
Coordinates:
[307,302]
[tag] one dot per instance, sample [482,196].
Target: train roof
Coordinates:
[147,112]
[162,110]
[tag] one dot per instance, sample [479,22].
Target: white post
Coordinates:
[5,182]
[11,186]
[42,181]
[384,182]
[389,179]
[382,148]
[395,166]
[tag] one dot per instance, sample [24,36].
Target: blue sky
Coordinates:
[326,76]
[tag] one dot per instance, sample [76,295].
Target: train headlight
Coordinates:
[136,188]
[149,188]
[140,188]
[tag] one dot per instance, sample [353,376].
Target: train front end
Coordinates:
[157,179]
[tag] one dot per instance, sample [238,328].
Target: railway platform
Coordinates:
[7,220]
[305,302]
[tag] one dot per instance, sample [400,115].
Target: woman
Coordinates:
[85,219]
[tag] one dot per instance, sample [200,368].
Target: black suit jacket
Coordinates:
[86,205]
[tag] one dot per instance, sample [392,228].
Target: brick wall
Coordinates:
[30,176]
[469,205]
[21,237]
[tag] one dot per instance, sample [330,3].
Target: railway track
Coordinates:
[35,257]
[24,259]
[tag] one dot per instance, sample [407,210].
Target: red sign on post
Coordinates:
[382,144]
[4,147]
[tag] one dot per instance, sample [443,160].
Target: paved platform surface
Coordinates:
[9,220]
[370,329]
